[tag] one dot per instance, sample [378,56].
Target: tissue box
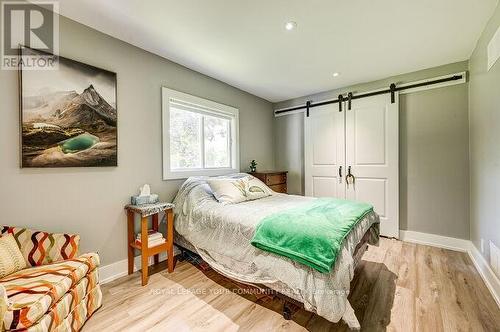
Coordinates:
[140,200]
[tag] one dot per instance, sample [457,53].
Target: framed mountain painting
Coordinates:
[68,115]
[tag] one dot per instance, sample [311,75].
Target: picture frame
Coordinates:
[68,114]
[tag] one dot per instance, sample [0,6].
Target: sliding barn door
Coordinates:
[372,153]
[324,152]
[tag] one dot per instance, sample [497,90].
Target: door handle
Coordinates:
[349,177]
[340,171]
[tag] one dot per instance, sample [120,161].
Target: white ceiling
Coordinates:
[244,43]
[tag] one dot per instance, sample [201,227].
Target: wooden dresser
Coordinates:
[276,180]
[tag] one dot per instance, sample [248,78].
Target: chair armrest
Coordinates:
[92,258]
[4,304]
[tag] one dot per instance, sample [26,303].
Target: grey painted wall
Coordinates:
[484,114]
[90,201]
[434,172]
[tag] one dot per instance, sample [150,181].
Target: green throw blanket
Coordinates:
[312,233]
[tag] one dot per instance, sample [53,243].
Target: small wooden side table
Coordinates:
[145,211]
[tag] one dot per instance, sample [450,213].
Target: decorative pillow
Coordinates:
[237,188]
[11,258]
[257,189]
[228,190]
[42,248]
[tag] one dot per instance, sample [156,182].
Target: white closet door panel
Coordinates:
[324,152]
[323,138]
[372,152]
[324,186]
[374,191]
[370,131]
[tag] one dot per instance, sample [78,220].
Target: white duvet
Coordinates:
[221,235]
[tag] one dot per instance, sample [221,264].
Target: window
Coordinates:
[200,137]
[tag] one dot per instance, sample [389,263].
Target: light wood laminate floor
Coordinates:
[398,286]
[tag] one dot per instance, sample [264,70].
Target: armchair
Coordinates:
[58,291]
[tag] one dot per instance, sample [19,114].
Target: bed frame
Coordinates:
[290,306]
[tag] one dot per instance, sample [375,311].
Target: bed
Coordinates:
[222,234]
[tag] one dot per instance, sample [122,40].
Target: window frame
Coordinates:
[210,108]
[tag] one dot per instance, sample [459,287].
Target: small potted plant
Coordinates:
[253,166]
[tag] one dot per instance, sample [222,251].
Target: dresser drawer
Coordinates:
[272,179]
[279,188]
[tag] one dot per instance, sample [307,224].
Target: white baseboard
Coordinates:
[490,279]
[484,269]
[110,272]
[435,240]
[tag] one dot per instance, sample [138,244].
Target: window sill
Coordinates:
[178,175]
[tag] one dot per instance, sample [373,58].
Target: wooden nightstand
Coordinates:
[145,211]
[276,180]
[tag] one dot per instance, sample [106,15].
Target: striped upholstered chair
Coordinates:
[58,291]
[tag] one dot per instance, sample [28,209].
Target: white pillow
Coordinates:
[227,190]
[257,189]
[232,190]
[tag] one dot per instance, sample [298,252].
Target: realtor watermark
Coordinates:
[30,35]
[240,291]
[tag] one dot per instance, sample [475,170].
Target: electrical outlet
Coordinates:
[495,258]
[482,246]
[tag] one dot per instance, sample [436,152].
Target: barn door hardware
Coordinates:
[393,90]
[308,105]
[349,98]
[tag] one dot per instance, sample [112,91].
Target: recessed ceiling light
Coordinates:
[290,25]
[336,74]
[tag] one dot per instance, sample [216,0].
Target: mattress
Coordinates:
[221,235]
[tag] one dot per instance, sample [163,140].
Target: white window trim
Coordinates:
[210,107]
